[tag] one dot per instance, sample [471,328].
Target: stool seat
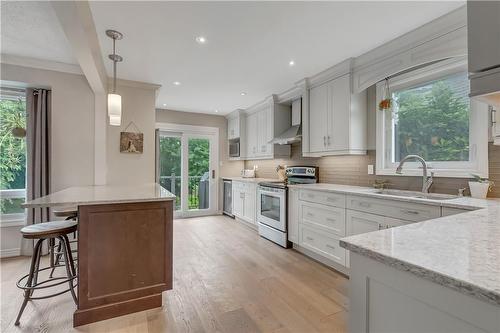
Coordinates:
[65,211]
[51,229]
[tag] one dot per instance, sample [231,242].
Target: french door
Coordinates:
[187,167]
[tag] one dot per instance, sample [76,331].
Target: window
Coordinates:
[432,116]
[12,156]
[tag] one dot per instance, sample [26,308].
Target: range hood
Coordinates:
[294,133]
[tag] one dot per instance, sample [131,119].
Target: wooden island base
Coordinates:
[124,258]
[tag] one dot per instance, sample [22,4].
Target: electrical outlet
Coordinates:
[370,169]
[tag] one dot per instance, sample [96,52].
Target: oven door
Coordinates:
[271,207]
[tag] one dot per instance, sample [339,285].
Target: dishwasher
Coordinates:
[227,208]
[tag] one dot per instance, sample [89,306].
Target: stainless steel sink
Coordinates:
[415,194]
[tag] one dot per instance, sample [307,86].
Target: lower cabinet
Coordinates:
[322,243]
[244,201]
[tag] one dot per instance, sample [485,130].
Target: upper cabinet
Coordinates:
[234,125]
[263,121]
[336,118]
[483,31]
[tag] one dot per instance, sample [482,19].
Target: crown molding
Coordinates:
[50,65]
[134,84]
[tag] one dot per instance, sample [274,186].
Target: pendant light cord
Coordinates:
[114,66]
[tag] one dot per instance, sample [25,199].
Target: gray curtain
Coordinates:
[38,110]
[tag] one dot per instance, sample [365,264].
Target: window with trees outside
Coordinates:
[12,155]
[432,116]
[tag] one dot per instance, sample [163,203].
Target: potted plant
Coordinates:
[480,187]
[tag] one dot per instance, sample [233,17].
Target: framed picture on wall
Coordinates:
[131,142]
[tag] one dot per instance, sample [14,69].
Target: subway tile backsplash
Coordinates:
[353,170]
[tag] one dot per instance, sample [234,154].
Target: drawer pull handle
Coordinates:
[330,246]
[330,199]
[329,219]
[309,238]
[310,214]
[414,212]
[310,195]
[364,204]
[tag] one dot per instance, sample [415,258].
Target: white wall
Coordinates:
[72,142]
[72,131]
[138,105]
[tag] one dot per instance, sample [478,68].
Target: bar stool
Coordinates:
[70,213]
[29,283]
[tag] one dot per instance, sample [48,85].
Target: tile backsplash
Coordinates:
[353,170]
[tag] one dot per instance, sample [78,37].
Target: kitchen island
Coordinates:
[124,247]
[440,275]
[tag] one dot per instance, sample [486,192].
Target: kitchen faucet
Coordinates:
[426,181]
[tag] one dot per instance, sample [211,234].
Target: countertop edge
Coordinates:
[86,203]
[426,273]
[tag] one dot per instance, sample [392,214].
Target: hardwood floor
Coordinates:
[226,279]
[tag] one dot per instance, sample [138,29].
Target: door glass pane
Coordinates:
[170,166]
[198,173]
[270,207]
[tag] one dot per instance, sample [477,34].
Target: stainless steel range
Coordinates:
[272,203]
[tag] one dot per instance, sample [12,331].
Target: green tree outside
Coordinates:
[433,121]
[12,152]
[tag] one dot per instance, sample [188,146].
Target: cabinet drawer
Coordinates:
[331,219]
[392,208]
[325,198]
[322,243]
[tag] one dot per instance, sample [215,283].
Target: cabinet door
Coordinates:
[251,135]
[293,215]
[231,128]
[249,203]
[318,114]
[262,124]
[339,115]
[360,223]
[237,201]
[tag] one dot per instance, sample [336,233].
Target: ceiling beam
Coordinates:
[78,25]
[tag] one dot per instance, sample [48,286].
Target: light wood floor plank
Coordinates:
[226,279]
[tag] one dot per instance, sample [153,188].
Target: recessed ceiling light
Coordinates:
[177,83]
[291,63]
[243,93]
[216,111]
[164,104]
[201,40]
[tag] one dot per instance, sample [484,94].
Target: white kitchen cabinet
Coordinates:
[235,124]
[249,204]
[293,215]
[263,121]
[337,119]
[321,243]
[244,204]
[251,128]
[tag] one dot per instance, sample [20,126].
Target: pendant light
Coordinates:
[114,100]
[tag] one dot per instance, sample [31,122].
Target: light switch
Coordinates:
[370,169]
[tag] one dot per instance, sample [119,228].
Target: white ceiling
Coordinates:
[31,29]
[248,49]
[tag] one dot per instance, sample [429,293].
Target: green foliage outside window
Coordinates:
[433,120]
[12,152]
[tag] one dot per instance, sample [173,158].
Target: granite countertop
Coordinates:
[251,180]
[460,251]
[102,194]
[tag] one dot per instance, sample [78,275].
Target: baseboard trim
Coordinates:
[10,253]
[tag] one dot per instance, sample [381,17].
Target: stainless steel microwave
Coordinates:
[234,149]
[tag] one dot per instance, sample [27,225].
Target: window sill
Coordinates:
[445,173]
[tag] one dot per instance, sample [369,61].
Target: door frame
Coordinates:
[187,131]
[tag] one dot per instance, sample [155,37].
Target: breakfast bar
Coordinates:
[124,247]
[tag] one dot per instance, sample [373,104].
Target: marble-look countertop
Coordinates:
[460,251]
[102,194]
[251,180]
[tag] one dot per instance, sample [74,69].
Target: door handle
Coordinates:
[213,174]
[324,140]
[329,142]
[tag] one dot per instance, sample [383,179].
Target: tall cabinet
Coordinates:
[336,117]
